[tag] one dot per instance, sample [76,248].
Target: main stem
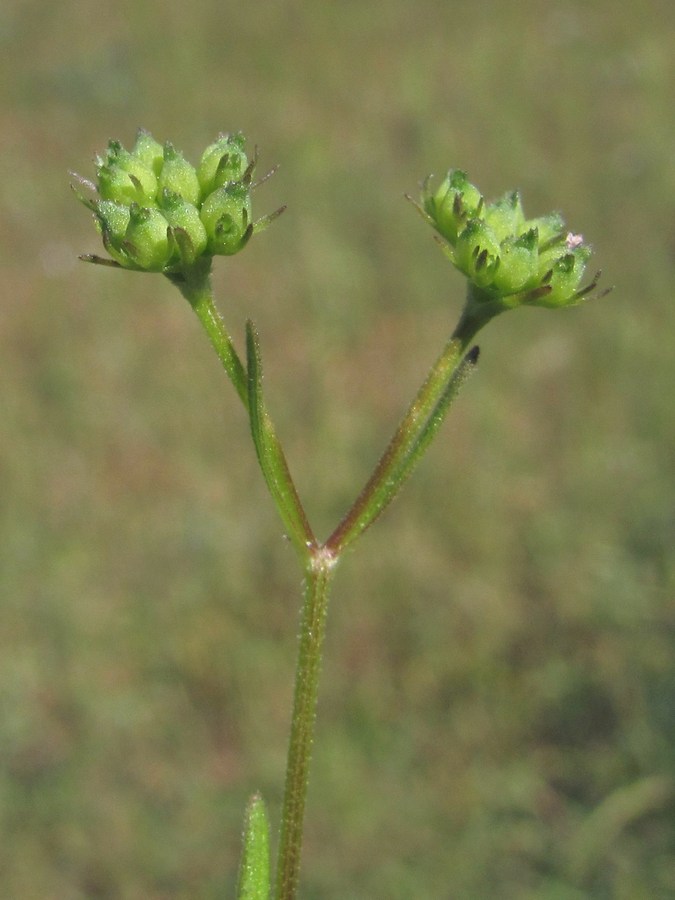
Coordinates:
[318,578]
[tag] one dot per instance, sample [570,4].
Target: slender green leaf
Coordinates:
[254,866]
[270,455]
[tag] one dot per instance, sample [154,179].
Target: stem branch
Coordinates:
[412,436]
[196,288]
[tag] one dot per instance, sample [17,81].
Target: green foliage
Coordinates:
[500,687]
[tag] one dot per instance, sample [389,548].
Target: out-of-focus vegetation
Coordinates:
[498,706]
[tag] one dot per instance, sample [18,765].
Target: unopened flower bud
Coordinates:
[184,216]
[505,216]
[125,178]
[148,150]
[112,220]
[560,283]
[178,176]
[224,160]
[452,205]
[477,253]
[226,214]
[518,264]
[148,242]
[549,228]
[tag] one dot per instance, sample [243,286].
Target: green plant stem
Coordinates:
[195,285]
[411,439]
[196,288]
[414,432]
[318,578]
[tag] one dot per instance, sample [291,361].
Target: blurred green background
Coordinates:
[497,715]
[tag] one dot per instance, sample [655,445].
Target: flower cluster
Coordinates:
[509,260]
[158,213]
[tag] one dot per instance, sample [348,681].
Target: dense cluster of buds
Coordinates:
[509,260]
[158,213]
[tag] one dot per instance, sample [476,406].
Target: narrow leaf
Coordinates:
[254,866]
[270,455]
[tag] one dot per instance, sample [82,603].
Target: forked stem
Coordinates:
[406,447]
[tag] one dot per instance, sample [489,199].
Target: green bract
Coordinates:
[158,213]
[509,260]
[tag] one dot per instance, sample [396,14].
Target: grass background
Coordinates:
[497,714]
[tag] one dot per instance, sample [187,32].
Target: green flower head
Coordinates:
[509,260]
[158,213]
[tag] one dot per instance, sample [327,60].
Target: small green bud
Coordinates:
[518,264]
[149,151]
[178,176]
[505,216]
[125,178]
[226,214]
[452,205]
[148,241]
[185,216]
[550,228]
[477,253]
[112,220]
[560,283]
[224,160]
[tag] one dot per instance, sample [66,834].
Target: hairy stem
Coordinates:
[318,579]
